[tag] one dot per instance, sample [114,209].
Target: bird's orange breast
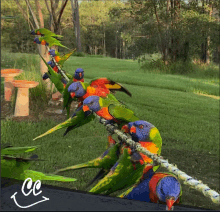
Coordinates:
[151,147]
[104,113]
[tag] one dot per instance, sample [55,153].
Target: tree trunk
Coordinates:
[208,39]
[123,43]
[104,47]
[75,13]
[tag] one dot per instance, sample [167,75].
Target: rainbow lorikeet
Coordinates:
[125,172]
[147,135]
[109,109]
[42,42]
[55,78]
[156,187]
[105,162]
[51,41]
[80,90]
[44,32]
[78,119]
[78,75]
[18,168]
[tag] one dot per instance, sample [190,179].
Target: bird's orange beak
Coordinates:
[133,129]
[170,203]
[72,94]
[85,108]
[38,33]
[80,74]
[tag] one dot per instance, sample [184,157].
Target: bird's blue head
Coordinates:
[91,103]
[168,190]
[76,89]
[140,130]
[36,40]
[33,32]
[52,52]
[51,63]
[79,74]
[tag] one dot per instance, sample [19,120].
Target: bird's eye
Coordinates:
[141,126]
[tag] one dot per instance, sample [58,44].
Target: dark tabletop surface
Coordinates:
[70,200]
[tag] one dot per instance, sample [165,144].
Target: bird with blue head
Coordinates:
[156,188]
[78,75]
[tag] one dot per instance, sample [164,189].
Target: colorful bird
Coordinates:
[147,135]
[53,52]
[51,41]
[109,109]
[98,86]
[44,32]
[18,168]
[123,174]
[78,119]
[42,42]
[78,75]
[157,187]
[55,78]
[71,123]
[105,162]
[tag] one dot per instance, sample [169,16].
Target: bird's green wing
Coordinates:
[123,168]
[156,139]
[17,150]
[54,77]
[19,170]
[78,120]
[120,112]
[35,175]
[130,179]
[106,161]
[47,32]
[124,194]
[52,41]
[65,57]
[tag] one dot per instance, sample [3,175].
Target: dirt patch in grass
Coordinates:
[52,112]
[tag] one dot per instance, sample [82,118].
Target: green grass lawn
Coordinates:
[188,123]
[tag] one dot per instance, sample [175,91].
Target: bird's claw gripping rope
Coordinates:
[197,185]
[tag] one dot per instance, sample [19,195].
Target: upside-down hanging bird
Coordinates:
[147,135]
[157,187]
[126,171]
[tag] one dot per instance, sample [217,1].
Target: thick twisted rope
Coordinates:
[188,180]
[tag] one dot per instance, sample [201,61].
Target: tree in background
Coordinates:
[76,23]
[37,21]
